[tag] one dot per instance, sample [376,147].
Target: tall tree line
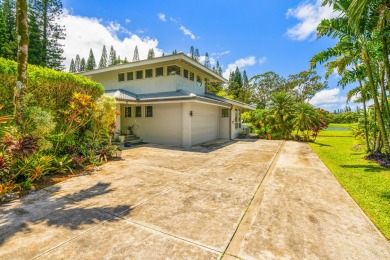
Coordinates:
[44,32]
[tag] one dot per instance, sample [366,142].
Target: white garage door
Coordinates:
[204,128]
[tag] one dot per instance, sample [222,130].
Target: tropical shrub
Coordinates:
[50,89]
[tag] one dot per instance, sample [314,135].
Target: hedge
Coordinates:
[51,89]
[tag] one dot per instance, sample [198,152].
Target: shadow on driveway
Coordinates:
[43,208]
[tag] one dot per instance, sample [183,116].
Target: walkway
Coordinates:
[252,200]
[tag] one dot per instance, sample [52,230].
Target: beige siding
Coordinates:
[163,128]
[205,123]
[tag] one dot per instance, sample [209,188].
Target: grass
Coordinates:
[366,182]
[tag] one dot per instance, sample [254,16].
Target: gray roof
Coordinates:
[124,95]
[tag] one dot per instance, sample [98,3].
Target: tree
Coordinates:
[72,67]
[196,55]
[136,54]
[91,62]
[46,13]
[103,58]
[9,47]
[77,63]
[21,80]
[35,48]
[305,118]
[174,52]
[207,60]
[305,85]
[264,85]
[192,52]
[245,81]
[150,53]
[112,58]
[82,65]
[280,112]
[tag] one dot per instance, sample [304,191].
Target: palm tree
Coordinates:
[280,109]
[305,118]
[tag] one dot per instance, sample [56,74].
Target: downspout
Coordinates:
[230,122]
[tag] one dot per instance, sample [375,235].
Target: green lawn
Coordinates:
[366,182]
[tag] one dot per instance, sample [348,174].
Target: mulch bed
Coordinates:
[379,158]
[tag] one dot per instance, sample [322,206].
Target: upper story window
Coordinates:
[173,70]
[159,72]
[138,112]
[139,74]
[149,111]
[121,77]
[185,74]
[192,76]
[130,75]
[127,111]
[148,73]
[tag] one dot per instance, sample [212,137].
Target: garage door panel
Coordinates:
[204,128]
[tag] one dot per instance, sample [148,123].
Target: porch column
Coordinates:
[186,127]
[118,120]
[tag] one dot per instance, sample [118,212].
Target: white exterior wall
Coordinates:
[165,127]
[150,85]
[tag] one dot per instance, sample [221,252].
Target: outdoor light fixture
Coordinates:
[191,113]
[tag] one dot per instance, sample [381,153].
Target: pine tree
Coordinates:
[72,67]
[82,65]
[174,52]
[112,58]
[77,63]
[118,61]
[10,45]
[47,13]
[217,67]
[103,58]
[91,62]
[207,60]
[245,81]
[196,55]
[151,54]
[125,61]
[192,52]
[136,54]
[35,48]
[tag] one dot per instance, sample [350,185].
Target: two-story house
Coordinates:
[166,99]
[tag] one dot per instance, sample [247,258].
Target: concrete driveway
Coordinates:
[252,200]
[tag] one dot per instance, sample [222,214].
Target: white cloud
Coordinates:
[309,15]
[127,21]
[213,61]
[327,98]
[93,34]
[262,60]
[187,32]
[162,17]
[241,63]
[173,20]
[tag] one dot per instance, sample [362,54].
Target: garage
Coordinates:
[205,123]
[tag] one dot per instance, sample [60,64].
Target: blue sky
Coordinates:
[256,35]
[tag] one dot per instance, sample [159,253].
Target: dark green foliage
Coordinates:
[192,52]
[136,54]
[207,60]
[112,58]
[91,62]
[151,53]
[196,55]
[103,58]
[8,44]
[82,65]
[50,89]
[72,67]
[77,63]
